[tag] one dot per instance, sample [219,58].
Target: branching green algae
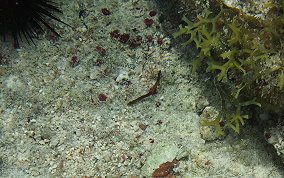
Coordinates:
[203,33]
[241,52]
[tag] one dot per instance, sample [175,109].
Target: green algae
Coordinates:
[238,52]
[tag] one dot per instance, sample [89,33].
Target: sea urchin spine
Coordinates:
[26,18]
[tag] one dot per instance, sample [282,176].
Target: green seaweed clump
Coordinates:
[203,33]
[233,119]
[281,81]
[244,53]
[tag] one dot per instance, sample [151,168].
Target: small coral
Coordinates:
[165,169]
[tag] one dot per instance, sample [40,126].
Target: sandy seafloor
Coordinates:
[52,123]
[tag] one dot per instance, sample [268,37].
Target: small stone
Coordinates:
[148,22]
[152,13]
[124,38]
[102,97]
[122,78]
[105,11]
